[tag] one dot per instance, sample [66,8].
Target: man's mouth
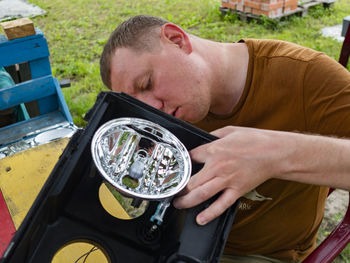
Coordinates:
[174,112]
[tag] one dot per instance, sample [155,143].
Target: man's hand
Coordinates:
[233,165]
[243,158]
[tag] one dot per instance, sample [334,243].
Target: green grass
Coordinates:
[76,31]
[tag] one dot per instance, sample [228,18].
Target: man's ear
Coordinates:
[175,35]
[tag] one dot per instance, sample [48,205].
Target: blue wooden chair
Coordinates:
[42,88]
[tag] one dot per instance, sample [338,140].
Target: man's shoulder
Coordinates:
[271,48]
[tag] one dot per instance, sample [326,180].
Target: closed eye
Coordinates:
[149,84]
[145,83]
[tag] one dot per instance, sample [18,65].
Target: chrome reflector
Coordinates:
[140,158]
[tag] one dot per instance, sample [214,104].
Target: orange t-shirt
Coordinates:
[288,88]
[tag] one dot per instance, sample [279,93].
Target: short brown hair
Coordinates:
[132,33]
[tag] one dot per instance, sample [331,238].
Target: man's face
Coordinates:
[166,78]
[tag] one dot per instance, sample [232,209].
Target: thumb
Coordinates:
[222,132]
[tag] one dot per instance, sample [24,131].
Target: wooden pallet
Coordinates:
[248,16]
[301,10]
[305,5]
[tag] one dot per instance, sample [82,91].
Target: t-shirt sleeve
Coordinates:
[327,97]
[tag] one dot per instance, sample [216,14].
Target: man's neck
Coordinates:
[229,66]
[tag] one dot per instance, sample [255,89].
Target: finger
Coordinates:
[219,206]
[222,132]
[199,154]
[200,178]
[183,191]
[200,194]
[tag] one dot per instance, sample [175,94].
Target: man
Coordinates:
[264,84]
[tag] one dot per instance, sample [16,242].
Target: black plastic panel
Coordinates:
[68,207]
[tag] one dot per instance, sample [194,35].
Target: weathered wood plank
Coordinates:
[18,28]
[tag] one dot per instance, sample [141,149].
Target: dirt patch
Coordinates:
[10,9]
[337,202]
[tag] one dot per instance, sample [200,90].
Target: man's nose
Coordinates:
[150,99]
